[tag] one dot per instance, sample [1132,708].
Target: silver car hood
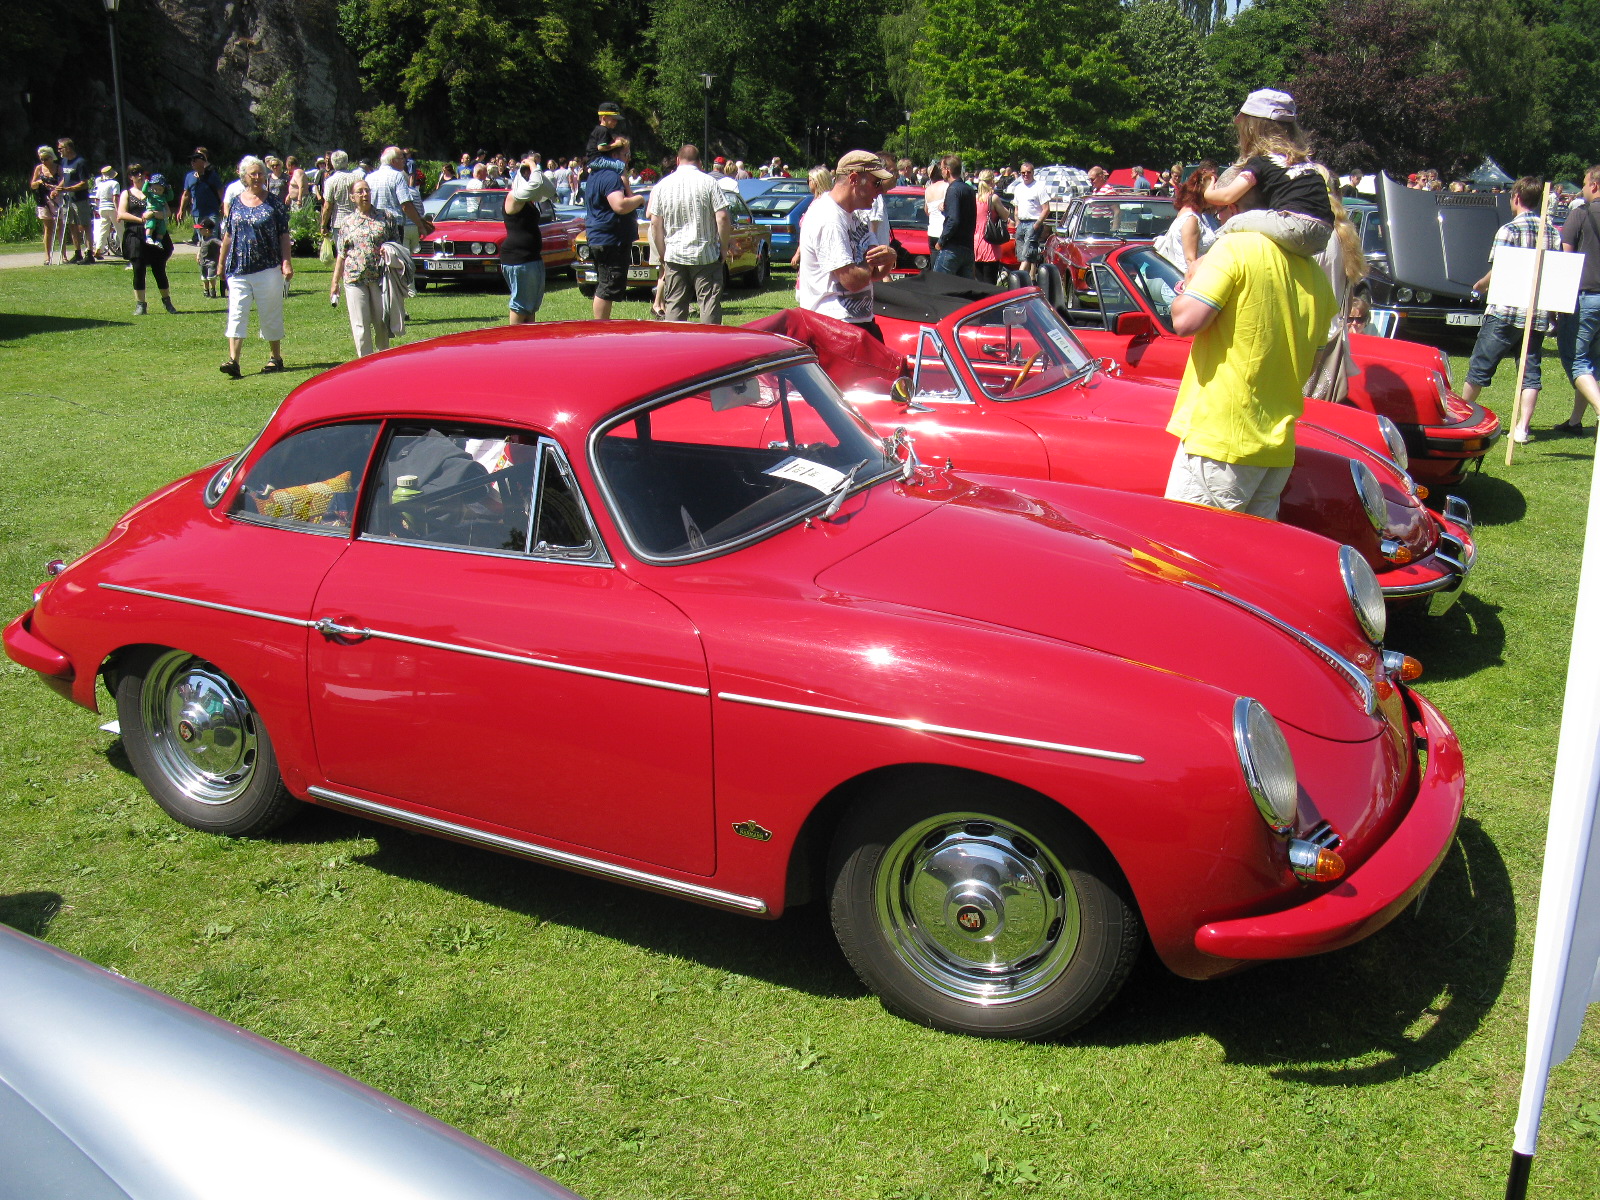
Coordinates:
[112,1091]
[1439,241]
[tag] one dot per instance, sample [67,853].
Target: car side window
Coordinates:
[309,480]
[495,491]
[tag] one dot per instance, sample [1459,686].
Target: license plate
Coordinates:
[1463,318]
[641,273]
[447,265]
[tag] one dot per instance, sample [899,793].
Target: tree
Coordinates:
[1262,46]
[1374,97]
[1186,109]
[274,112]
[1008,79]
[381,126]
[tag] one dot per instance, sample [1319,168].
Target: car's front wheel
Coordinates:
[981,909]
[199,746]
[421,282]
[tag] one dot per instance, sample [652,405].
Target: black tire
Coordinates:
[586,289]
[175,710]
[422,283]
[762,274]
[1041,956]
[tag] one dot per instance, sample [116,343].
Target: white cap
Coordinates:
[1269,103]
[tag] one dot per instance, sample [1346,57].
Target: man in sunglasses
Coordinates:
[839,259]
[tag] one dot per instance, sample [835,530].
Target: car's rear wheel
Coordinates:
[199,746]
[762,274]
[981,909]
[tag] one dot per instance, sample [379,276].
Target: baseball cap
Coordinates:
[719,160]
[609,108]
[863,160]
[1269,103]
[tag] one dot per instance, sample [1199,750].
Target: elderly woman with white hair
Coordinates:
[255,259]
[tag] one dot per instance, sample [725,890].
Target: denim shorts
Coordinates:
[1028,248]
[1499,339]
[526,281]
[1576,333]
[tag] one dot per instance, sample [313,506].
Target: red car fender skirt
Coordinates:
[1379,890]
[28,649]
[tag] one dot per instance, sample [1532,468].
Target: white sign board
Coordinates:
[1512,281]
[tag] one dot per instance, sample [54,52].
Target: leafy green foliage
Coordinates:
[381,126]
[274,111]
[1007,79]
[1185,108]
[1261,46]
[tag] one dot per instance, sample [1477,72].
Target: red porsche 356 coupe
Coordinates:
[721,641]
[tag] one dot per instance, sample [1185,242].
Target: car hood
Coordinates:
[1043,561]
[456,231]
[1439,241]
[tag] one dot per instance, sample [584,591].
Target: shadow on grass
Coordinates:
[20,325]
[797,951]
[1494,501]
[1398,1003]
[31,912]
[1467,639]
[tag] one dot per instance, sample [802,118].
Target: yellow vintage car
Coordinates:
[751,262]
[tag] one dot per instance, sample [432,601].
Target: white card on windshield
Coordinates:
[1062,341]
[803,470]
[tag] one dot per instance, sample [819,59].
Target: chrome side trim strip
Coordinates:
[228,608]
[560,858]
[527,661]
[1341,664]
[916,726]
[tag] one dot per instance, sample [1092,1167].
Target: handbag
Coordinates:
[994,230]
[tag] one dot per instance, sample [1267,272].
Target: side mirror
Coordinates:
[1014,315]
[1134,324]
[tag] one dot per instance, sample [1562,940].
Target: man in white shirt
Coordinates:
[1029,197]
[689,219]
[838,260]
[336,202]
[393,194]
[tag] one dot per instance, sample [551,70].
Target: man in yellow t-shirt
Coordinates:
[1257,314]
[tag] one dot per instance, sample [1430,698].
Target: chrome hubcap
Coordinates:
[202,730]
[978,908]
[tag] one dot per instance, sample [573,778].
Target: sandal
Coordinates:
[272,366]
[230,368]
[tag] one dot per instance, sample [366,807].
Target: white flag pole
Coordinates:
[1566,943]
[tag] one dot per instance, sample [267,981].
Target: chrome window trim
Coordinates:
[961,396]
[1341,664]
[285,524]
[917,726]
[211,604]
[545,854]
[776,363]
[598,557]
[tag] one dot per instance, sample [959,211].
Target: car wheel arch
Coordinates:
[806,878]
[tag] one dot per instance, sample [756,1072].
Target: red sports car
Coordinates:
[465,242]
[908,219]
[1000,383]
[688,624]
[1405,382]
[1089,229]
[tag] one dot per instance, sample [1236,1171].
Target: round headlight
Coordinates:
[1366,596]
[1267,762]
[1405,295]
[583,251]
[1371,494]
[1424,297]
[920,262]
[1396,443]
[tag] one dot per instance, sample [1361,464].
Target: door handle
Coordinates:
[334,632]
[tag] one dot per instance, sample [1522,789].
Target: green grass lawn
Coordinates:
[635,1046]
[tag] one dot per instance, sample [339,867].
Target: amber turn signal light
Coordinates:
[1402,666]
[1422,492]
[1312,863]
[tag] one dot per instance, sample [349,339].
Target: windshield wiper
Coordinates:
[842,490]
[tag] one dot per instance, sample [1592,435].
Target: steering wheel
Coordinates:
[1027,369]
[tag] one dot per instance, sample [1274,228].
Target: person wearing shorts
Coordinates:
[1028,200]
[522,252]
[611,226]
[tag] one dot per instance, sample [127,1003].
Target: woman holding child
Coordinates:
[144,208]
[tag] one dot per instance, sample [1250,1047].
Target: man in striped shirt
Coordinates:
[689,218]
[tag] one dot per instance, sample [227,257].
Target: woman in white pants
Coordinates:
[360,267]
[255,258]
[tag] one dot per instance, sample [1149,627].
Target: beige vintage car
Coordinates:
[751,262]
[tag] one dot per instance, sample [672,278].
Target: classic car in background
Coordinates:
[435,199]
[112,1091]
[779,209]
[907,211]
[466,237]
[1406,382]
[750,263]
[1425,250]
[756,654]
[1091,227]
[999,383]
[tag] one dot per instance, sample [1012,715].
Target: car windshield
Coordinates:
[1155,279]
[447,189]
[1372,239]
[735,461]
[770,205]
[906,210]
[474,206]
[1020,349]
[1136,218]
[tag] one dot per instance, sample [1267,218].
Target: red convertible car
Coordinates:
[1092,227]
[1405,382]
[908,220]
[466,237]
[688,624]
[997,382]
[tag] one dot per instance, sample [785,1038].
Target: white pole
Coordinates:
[1566,943]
